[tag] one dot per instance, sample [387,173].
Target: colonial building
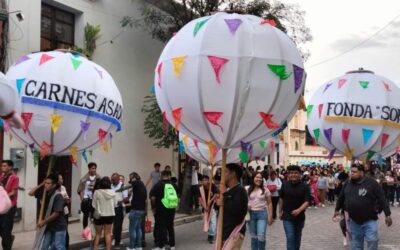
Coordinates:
[129,55]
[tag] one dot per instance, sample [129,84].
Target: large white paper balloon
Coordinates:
[68,103]
[8,102]
[357,114]
[229,78]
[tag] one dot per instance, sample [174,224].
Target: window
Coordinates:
[296,146]
[57,29]
[309,138]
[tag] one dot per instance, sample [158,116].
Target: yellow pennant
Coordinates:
[55,121]
[348,153]
[211,151]
[302,104]
[105,147]
[185,139]
[74,152]
[178,63]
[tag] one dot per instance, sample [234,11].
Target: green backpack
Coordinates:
[170,199]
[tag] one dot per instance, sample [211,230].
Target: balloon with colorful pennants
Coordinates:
[357,115]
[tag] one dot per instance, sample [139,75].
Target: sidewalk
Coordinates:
[24,240]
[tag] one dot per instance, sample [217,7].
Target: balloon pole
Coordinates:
[221,208]
[51,164]
[210,186]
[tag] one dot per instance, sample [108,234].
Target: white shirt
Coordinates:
[195,179]
[88,194]
[120,195]
[276,182]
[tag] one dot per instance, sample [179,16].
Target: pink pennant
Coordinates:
[213,118]
[272,145]
[159,68]
[26,118]
[384,139]
[102,135]
[177,115]
[196,143]
[217,63]
[45,149]
[267,118]
[166,123]
[341,83]
[268,21]
[345,135]
[215,151]
[320,107]
[45,58]
[387,86]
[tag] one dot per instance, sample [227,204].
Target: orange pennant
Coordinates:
[177,115]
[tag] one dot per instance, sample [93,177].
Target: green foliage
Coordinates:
[92,33]
[154,126]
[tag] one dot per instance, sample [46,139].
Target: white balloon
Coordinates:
[67,85]
[223,73]
[360,107]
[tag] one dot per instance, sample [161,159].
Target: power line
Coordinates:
[357,45]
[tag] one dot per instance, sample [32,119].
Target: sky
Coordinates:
[339,25]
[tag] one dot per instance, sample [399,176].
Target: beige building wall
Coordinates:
[130,59]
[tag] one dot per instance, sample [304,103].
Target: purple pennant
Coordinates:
[233,24]
[247,147]
[111,136]
[328,134]
[327,87]
[298,77]
[32,147]
[331,154]
[99,72]
[85,128]
[22,59]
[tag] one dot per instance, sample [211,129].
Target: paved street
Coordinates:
[319,233]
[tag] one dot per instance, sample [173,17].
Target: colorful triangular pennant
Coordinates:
[45,58]
[267,118]
[178,63]
[341,83]
[364,84]
[84,156]
[331,154]
[298,77]
[280,71]
[387,86]
[45,149]
[345,135]
[26,118]
[366,133]
[233,24]
[76,63]
[320,108]
[105,147]
[268,21]
[384,140]
[100,72]
[309,109]
[328,134]
[327,86]
[198,26]
[85,128]
[159,69]
[22,59]
[101,134]
[177,116]
[55,121]
[216,64]
[316,134]
[213,118]
[348,153]
[19,83]
[262,144]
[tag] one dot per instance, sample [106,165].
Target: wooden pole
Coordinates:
[221,208]
[50,167]
[210,175]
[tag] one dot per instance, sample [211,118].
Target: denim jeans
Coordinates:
[258,229]
[368,231]
[135,228]
[213,223]
[293,231]
[54,240]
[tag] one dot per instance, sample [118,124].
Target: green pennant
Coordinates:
[370,154]
[364,84]
[36,157]
[262,144]
[309,109]
[316,134]
[244,157]
[198,26]
[76,63]
[280,71]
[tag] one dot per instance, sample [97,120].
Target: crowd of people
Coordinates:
[252,199]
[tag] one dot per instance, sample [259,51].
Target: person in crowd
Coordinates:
[122,196]
[10,181]
[164,201]
[173,175]
[260,209]
[154,175]
[138,211]
[208,206]
[67,201]
[128,194]
[53,225]
[390,186]
[85,192]
[362,198]
[331,187]
[194,189]
[274,185]
[234,199]
[104,203]
[294,200]
[322,186]
[314,188]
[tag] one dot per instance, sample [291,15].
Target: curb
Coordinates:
[125,234]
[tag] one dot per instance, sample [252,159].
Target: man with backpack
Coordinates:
[363,198]
[164,201]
